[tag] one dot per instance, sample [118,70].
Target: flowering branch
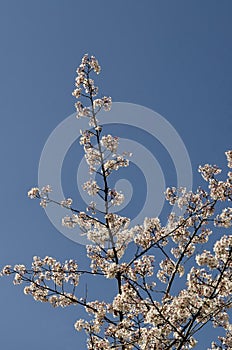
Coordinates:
[171,287]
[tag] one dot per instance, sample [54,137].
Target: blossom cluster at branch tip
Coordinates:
[43,275]
[42,194]
[34,192]
[85,87]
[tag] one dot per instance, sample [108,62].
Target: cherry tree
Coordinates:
[170,287]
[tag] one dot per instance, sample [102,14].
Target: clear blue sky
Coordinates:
[171,56]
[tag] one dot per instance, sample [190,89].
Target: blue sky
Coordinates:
[172,57]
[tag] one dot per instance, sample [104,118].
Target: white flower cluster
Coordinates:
[208,171]
[85,137]
[66,203]
[42,194]
[84,87]
[110,143]
[34,192]
[41,274]
[105,102]
[115,164]
[82,79]
[117,198]
[91,187]
[206,258]
[224,219]
[81,219]
[220,189]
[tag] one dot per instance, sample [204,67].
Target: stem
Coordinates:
[106,193]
